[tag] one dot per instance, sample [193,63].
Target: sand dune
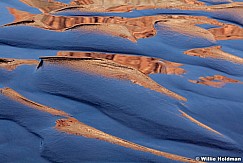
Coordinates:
[132,29]
[73,126]
[114,86]
[199,123]
[111,69]
[21,99]
[214,52]
[146,65]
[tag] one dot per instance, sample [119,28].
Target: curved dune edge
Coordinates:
[188,29]
[187,25]
[116,30]
[217,81]
[110,69]
[11,64]
[199,123]
[146,65]
[10,93]
[214,52]
[75,127]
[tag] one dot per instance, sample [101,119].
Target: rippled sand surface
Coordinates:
[120,81]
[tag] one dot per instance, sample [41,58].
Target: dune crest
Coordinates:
[111,69]
[10,93]
[193,120]
[74,127]
[146,65]
[214,52]
[71,125]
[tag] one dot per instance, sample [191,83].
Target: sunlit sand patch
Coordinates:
[113,3]
[214,52]
[199,123]
[217,81]
[44,6]
[227,32]
[52,6]
[20,16]
[146,65]
[109,5]
[188,26]
[129,5]
[108,68]
[129,28]
[10,93]
[11,64]
[73,126]
[108,29]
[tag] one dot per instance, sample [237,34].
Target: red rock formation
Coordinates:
[227,32]
[147,65]
[214,52]
[217,81]
[129,28]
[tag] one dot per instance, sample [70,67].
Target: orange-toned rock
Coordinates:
[227,32]
[214,52]
[52,6]
[109,5]
[217,81]
[129,28]
[45,6]
[147,65]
